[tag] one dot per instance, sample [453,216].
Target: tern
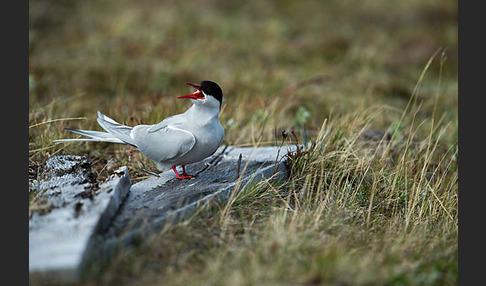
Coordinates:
[178,140]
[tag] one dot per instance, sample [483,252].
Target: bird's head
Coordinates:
[208,93]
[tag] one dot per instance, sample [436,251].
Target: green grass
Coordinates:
[355,211]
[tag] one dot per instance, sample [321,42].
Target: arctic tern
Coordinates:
[177,140]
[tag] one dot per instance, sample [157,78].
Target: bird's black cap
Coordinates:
[212,88]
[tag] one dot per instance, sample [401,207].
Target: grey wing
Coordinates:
[165,144]
[173,120]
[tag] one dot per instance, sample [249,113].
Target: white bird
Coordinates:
[178,140]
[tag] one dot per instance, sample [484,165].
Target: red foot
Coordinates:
[184,174]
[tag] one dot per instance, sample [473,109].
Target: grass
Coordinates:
[372,201]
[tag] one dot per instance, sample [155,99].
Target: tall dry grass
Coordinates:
[361,207]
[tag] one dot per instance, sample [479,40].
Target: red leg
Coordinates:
[184,174]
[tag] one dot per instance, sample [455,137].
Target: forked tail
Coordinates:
[116,132]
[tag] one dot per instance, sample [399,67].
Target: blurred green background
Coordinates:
[273,60]
[90,53]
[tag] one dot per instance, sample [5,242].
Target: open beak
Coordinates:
[196,95]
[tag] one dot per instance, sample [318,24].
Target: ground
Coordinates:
[355,211]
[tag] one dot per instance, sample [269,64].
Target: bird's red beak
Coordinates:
[196,95]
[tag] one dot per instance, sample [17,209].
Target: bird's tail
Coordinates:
[116,132]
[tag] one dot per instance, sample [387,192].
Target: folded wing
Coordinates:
[163,145]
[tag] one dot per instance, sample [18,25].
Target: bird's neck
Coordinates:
[203,113]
